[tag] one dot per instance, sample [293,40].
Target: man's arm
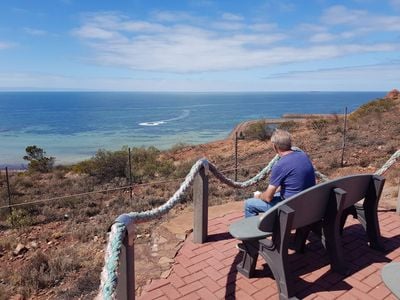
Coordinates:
[268,195]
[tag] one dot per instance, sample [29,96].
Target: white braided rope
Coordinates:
[389,163]
[109,276]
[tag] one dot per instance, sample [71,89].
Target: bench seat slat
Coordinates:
[247,229]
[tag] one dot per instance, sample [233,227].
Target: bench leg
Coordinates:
[332,227]
[369,220]
[247,266]
[301,238]
[302,235]
[333,245]
[275,253]
[350,211]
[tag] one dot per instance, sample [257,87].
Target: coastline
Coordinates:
[209,118]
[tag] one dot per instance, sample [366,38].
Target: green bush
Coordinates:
[20,218]
[147,164]
[105,165]
[258,131]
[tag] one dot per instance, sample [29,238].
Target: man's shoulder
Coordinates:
[295,158]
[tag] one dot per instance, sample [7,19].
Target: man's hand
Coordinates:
[257,194]
[268,195]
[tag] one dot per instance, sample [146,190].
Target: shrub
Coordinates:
[105,165]
[38,161]
[182,169]
[287,125]
[109,164]
[258,130]
[20,218]
[44,271]
[376,106]
[319,125]
[146,164]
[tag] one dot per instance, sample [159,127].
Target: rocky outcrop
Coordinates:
[393,94]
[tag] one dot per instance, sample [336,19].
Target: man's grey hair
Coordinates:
[282,139]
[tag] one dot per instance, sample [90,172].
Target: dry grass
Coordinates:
[44,270]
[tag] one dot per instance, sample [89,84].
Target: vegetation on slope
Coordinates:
[60,242]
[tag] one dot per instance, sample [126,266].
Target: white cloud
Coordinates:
[322,37]
[357,78]
[360,21]
[231,17]
[340,14]
[177,46]
[172,16]
[231,26]
[263,26]
[379,77]
[35,31]
[96,33]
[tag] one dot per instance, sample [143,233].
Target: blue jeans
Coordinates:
[254,206]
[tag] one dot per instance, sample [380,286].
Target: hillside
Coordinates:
[55,248]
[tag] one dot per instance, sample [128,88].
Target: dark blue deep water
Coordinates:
[72,125]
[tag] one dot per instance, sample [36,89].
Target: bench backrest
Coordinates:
[310,205]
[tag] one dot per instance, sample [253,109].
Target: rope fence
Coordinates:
[125,223]
[128,187]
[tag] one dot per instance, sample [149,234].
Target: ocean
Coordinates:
[72,126]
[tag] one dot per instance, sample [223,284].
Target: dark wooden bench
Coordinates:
[324,205]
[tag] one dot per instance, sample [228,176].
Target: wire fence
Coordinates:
[238,164]
[130,187]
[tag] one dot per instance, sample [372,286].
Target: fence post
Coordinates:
[344,136]
[398,203]
[8,191]
[126,272]
[236,154]
[200,202]
[130,175]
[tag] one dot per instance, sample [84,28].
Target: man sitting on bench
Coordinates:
[292,174]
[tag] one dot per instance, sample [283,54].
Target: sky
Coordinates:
[200,46]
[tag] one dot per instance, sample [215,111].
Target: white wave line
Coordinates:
[185,114]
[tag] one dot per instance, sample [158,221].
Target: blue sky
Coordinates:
[202,45]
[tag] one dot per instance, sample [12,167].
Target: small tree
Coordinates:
[38,161]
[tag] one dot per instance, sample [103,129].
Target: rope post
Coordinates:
[344,136]
[126,272]
[200,201]
[398,203]
[8,191]
[130,175]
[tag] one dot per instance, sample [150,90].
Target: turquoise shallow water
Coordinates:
[72,125]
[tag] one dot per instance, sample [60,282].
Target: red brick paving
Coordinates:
[208,271]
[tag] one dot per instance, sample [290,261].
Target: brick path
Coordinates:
[208,271]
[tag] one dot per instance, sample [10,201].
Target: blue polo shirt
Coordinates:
[294,173]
